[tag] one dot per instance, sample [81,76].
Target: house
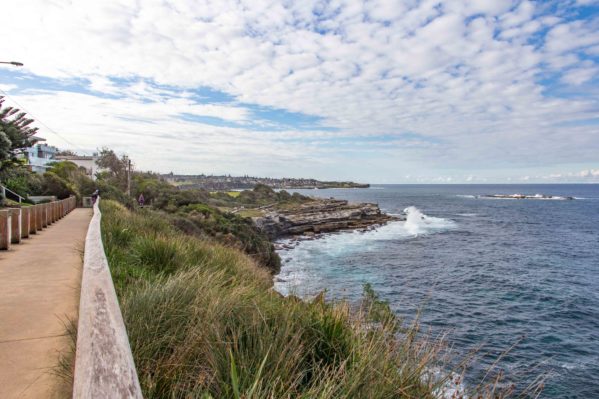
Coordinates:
[39,156]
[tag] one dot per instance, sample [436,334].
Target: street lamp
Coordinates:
[15,63]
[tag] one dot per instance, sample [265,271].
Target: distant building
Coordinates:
[39,156]
[88,162]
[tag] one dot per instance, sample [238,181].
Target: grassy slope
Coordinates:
[203,322]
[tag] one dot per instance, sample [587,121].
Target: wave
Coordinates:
[417,223]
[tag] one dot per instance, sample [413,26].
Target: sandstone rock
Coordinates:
[321,216]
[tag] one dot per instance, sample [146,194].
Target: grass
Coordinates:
[65,369]
[233,194]
[10,203]
[250,213]
[204,322]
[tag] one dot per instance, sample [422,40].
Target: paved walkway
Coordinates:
[39,292]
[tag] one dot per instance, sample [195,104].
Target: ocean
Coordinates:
[491,273]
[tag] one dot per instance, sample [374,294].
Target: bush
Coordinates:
[232,230]
[56,185]
[110,192]
[22,181]
[160,254]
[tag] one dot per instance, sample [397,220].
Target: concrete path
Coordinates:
[39,292]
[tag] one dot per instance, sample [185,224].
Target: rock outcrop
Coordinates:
[321,216]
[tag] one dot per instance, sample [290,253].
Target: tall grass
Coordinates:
[204,322]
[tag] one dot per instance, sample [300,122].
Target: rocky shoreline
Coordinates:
[321,216]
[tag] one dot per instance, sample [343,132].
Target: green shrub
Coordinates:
[161,254]
[20,180]
[58,186]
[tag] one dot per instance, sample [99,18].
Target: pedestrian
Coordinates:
[95,196]
[141,200]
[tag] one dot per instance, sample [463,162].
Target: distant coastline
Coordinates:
[227,182]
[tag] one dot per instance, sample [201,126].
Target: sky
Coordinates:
[481,91]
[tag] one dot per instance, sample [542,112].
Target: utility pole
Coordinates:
[128,177]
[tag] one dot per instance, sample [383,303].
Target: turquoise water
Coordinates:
[491,272]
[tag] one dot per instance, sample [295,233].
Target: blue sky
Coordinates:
[375,91]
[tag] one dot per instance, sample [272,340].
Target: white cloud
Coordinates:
[578,76]
[571,36]
[7,87]
[582,176]
[366,68]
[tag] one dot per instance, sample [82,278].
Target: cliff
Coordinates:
[321,216]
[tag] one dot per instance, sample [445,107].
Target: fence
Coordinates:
[19,223]
[104,366]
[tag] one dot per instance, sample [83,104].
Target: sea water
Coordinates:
[489,272]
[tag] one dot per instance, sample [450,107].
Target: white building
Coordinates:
[39,156]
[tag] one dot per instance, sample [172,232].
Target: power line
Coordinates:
[40,121]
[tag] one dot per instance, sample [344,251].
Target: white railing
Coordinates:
[104,366]
[4,189]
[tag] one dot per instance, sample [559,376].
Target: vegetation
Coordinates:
[62,179]
[198,213]
[20,180]
[16,134]
[204,322]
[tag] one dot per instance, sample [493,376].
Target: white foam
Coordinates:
[417,223]
[453,387]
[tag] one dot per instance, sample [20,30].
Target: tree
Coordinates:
[16,134]
[116,168]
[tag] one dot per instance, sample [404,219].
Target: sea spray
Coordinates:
[417,223]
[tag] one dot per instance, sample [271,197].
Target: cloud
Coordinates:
[582,176]
[578,76]
[499,83]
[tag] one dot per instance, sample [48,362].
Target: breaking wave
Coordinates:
[417,223]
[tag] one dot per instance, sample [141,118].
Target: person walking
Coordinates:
[95,196]
[141,201]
